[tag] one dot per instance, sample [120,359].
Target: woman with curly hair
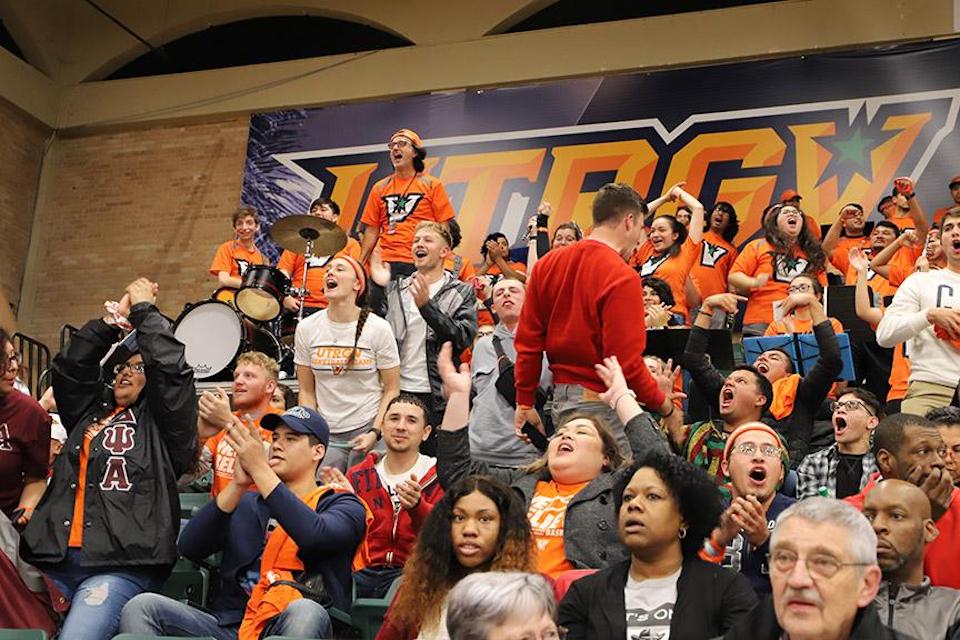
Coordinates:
[478,525]
[666,507]
[765,268]
[717,251]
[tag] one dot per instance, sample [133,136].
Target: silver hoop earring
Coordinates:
[683,533]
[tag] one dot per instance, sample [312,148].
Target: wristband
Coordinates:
[378,433]
[709,314]
[616,401]
[524,407]
[25,509]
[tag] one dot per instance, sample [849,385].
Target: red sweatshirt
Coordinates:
[940,557]
[392,536]
[583,304]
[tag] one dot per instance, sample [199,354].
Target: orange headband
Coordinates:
[357,269]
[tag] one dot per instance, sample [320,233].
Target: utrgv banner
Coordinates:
[837,128]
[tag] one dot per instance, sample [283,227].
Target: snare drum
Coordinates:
[261,295]
[214,335]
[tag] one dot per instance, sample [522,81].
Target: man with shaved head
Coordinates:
[900,515]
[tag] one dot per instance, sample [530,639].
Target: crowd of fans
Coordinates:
[494,450]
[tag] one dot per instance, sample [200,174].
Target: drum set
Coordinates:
[252,318]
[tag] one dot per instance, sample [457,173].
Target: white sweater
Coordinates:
[931,359]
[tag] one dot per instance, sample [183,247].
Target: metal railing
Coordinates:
[66,332]
[36,361]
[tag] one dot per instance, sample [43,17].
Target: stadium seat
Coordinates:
[367,613]
[190,503]
[23,634]
[188,585]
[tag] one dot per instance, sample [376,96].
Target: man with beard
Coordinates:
[843,468]
[792,399]
[926,312]
[900,515]
[755,460]
[909,447]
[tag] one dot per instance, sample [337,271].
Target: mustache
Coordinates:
[806,595]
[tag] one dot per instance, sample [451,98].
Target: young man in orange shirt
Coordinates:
[234,257]
[401,201]
[955,194]
[254,380]
[292,264]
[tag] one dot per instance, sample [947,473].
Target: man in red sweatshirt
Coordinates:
[584,304]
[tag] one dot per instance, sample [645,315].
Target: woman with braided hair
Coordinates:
[348,365]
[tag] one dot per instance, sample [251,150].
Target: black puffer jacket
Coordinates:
[131,509]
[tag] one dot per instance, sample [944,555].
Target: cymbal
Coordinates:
[292,233]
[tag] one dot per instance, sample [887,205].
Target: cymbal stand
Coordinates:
[309,235]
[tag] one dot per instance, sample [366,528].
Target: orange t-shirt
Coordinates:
[397,205]
[903,222]
[710,271]
[841,255]
[899,373]
[466,272]
[780,328]
[76,526]
[222,456]
[756,258]
[547,512]
[671,269]
[814,227]
[235,259]
[292,264]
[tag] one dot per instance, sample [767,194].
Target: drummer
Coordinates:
[235,256]
[291,264]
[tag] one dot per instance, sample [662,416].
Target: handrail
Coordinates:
[36,360]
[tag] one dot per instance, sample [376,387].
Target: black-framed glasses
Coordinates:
[403,144]
[767,450]
[799,288]
[821,564]
[15,359]
[137,367]
[849,405]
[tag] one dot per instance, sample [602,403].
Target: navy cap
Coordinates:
[300,419]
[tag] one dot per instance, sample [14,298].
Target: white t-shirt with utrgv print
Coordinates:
[347,398]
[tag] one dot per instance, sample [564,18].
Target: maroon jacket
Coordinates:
[392,536]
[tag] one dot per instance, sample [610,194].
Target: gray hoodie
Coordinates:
[922,611]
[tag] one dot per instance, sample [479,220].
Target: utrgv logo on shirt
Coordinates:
[711,254]
[119,437]
[786,268]
[653,263]
[400,207]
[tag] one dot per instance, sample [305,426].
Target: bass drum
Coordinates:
[214,334]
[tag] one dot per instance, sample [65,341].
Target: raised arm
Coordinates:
[697,214]
[865,311]
[881,262]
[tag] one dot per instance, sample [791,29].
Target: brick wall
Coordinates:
[114,205]
[21,155]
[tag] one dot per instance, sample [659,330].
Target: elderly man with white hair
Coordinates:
[824,574]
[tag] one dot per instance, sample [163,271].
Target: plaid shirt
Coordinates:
[820,470]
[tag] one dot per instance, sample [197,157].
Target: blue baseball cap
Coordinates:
[300,419]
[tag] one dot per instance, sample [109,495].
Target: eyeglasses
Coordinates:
[766,450]
[403,144]
[849,405]
[137,367]
[14,359]
[820,565]
[557,633]
[799,288]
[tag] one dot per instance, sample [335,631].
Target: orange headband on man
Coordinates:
[409,135]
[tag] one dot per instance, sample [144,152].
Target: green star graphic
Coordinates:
[854,149]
